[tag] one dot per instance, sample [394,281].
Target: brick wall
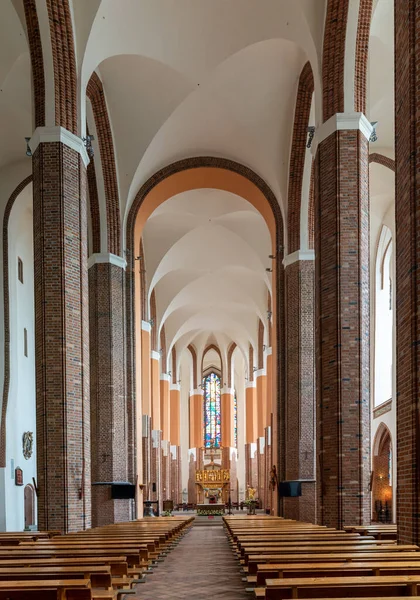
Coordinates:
[407,189]
[108,390]
[61,338]
[342,329]
[300,397]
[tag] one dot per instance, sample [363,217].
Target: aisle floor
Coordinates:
[201,567]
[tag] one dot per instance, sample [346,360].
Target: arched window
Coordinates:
[212,416]
[235,420]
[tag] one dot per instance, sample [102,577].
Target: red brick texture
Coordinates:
[95,93]
[95,218]
[251,363]
[311,210]
[174,365]
[61,338]
[362,51]
[260,364]
[342,329]
[380,159]
[64,64]
[297,155]
[333,58]
[107,391]
[6,318]
[37,61]
[300,397]
[407,201]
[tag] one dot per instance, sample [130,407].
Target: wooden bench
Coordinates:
[118,565]
[398,585]
[256,559]
[337,569]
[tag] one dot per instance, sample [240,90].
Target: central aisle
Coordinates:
[201,566]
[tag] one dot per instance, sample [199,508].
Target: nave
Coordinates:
[201,566]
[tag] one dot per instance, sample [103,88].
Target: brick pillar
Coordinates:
[407,201]
[61,330]
[108,401]
[342,320]
[300,397]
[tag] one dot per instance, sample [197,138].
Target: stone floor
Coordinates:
[201,567]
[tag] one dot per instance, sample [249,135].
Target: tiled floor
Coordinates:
[201,567]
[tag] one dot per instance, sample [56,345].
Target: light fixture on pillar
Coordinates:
[170,373]
[272,256]
[311,135]
[264,347]
[28,149]
[269,270]
[88,144]
[373,135]
[269,315]
[151,322]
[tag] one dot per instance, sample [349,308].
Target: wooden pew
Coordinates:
[397,585]
[117,564]
[333,569]
[365,557]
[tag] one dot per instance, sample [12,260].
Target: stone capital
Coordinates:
[298,256]
[343,122]
[104,258]
[44,135]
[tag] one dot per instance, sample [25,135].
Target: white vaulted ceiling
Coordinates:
[206,252]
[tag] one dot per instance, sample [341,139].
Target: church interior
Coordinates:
[209,297]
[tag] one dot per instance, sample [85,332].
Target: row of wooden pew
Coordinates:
[283,558]
[97,564]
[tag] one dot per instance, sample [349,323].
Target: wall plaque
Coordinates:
[18,476]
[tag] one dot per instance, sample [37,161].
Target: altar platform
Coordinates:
[210,509]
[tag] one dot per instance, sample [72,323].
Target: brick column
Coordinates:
[407,201]
[108,400]
[300,396]
[61,330]
[342,320]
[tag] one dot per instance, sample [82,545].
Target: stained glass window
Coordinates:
[235,420]
[212,416]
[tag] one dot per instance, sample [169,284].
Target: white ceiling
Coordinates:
[206,252]
[198,77]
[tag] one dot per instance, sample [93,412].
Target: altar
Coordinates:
[210,509]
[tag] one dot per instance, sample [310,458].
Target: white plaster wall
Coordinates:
[378,219]
[21,415]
